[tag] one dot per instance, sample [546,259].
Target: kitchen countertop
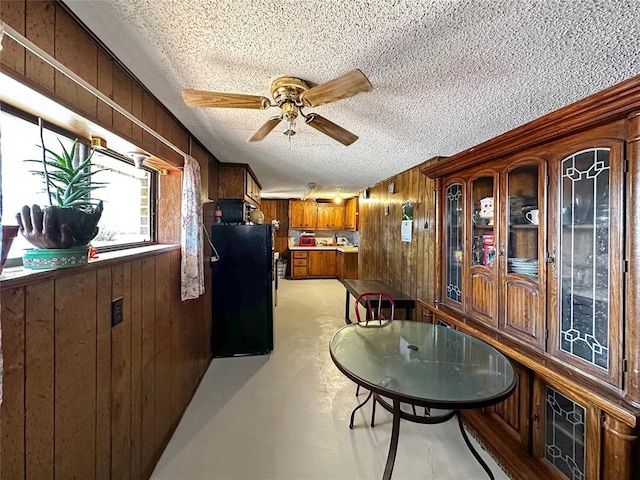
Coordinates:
[343,249]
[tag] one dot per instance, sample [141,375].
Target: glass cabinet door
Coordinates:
[565,433]
[484,211]
[522,252]
[584,269]
[586,322]
[453,244]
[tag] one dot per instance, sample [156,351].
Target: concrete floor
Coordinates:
[285,416]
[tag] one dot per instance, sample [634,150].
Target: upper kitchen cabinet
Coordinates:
[237,181]
[330,216]
[303,215]
[351,215]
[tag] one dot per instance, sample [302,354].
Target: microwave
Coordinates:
[307,241]
[234,212]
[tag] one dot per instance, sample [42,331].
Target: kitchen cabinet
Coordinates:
[303,215]
[549,276]
[253,189]
[330,217]
[309,215]
[313,264]
[347,265]
[351,215]
[322,264]
[300,266]
[237,181]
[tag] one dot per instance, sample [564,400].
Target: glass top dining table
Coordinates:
[423,365]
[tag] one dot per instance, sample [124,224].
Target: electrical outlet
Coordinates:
[117,314]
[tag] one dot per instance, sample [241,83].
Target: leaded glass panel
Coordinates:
[565,422]
[454,242]
[584,270]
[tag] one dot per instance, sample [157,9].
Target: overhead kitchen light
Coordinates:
[310,188]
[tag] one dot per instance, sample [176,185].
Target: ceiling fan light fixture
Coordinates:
[289,115]
[289,130]
[290,94]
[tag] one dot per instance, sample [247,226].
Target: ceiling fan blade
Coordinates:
[265,129]
[336,132]
[345,86]
[201,98]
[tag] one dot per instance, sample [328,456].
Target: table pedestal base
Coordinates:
[426,419]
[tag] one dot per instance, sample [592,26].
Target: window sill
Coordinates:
[19,276]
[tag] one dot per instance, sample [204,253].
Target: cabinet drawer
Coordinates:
[299,272]
[300,262]
[300,255]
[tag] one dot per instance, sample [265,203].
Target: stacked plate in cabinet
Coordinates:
[526,266]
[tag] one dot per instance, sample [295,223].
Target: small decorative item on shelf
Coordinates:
[257,217]
[532,216]
[486,209]
[478,250]
[489,253]
[61,232]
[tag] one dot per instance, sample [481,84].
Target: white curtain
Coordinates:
[192,270]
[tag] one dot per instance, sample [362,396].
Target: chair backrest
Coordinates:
[374,303]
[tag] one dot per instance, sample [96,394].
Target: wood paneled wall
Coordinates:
[86,400]
[382,255]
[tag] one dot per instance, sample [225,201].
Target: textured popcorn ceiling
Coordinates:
[446,74]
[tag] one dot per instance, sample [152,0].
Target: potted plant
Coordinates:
[61,232]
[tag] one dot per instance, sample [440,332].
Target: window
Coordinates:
[129,196]
[128,210]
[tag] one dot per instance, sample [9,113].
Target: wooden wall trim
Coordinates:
[603,107]
[19,276]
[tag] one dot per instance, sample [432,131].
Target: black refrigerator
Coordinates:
[242,303]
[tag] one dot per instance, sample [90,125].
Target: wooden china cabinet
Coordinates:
[550,277]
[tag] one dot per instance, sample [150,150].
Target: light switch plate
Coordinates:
[117,314]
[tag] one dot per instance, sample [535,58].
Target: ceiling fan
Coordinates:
[290,95]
